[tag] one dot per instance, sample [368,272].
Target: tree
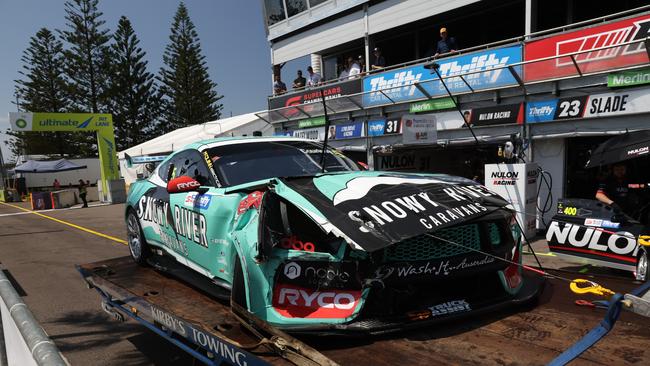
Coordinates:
[134,105]
[87,65]
[87,60]
[188,94]
[42,89]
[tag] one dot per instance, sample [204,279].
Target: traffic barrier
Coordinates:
[22,340]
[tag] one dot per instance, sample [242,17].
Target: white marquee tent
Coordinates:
[244,124]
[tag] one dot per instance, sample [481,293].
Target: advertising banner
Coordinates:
[628,78]
[498,115]
[314,94]
[398,84]
[432,105]
[610,34]
[419,129]
[317,134]
[597,105]
[349,130]
[101,124]
[312,122]
[411,160]
[380,127]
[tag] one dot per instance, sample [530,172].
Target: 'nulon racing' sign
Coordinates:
[398,84]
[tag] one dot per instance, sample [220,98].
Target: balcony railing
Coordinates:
[356,101]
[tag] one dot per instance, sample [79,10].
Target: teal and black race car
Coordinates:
[307,241]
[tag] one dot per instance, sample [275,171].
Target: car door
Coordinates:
[190,209]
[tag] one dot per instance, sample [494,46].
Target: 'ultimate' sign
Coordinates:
[102,124]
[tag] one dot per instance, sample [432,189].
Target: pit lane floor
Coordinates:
[40,253]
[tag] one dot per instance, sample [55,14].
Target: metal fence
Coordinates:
[22,340]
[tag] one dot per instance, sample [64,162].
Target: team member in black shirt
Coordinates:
[614,190]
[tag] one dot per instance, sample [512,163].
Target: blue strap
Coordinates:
[594,335]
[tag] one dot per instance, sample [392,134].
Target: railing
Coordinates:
[22,340]
[514,40]
[355,101]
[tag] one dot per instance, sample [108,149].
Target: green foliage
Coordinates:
[42,87]
[134,105]
[188,94]
[87,57]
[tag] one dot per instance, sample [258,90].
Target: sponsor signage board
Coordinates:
[432,105]
[498,115]
[398,85]
[610,34]
[317,134]
[380,127]
[101,124]
[312,122]
[412,161]
[419,129]
[591,106]
[313,95]
[287,133]
[628,78]
[349,131]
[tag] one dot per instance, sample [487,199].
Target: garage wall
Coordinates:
[550,154]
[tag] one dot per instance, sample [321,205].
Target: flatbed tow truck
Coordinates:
[199,320]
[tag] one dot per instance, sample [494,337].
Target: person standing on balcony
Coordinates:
[300,81]
[354,68]
[377,62]
[446,44]
[278,86]
[343,75]
[314,77]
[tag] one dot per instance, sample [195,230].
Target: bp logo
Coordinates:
[21,123]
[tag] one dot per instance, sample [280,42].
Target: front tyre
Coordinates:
[137,244]
[641,272]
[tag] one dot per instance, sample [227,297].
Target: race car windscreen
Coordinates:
[248,162]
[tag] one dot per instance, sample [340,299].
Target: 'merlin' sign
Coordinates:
[611,34]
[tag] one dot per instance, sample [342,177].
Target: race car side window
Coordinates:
[163,171]
[190,163]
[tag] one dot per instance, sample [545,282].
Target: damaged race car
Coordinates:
[309,242]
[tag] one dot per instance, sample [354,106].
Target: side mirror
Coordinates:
[182,184]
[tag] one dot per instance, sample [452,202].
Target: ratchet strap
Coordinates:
[597,333]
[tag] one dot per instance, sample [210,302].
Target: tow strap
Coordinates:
[591,338]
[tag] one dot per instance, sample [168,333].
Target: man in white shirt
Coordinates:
[354,68]
[314,78]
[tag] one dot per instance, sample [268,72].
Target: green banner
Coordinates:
[101,124]
[312,122]
[432,105]
[628,78]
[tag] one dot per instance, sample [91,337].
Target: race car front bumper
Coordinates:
[437,313]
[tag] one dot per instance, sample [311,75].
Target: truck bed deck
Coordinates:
[521,335]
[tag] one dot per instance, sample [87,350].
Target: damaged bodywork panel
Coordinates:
[334,248]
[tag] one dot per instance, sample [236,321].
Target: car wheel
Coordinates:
[137,244]
[238,292]
[641,272]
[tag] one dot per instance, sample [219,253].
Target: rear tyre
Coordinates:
[238,292]
[641,272]
[137,244]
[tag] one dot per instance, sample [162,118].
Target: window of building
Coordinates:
[296,6]
[313,3]
[274,11]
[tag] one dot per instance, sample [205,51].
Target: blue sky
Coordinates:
[231,32]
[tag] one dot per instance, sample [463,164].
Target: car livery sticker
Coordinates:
[377,210]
